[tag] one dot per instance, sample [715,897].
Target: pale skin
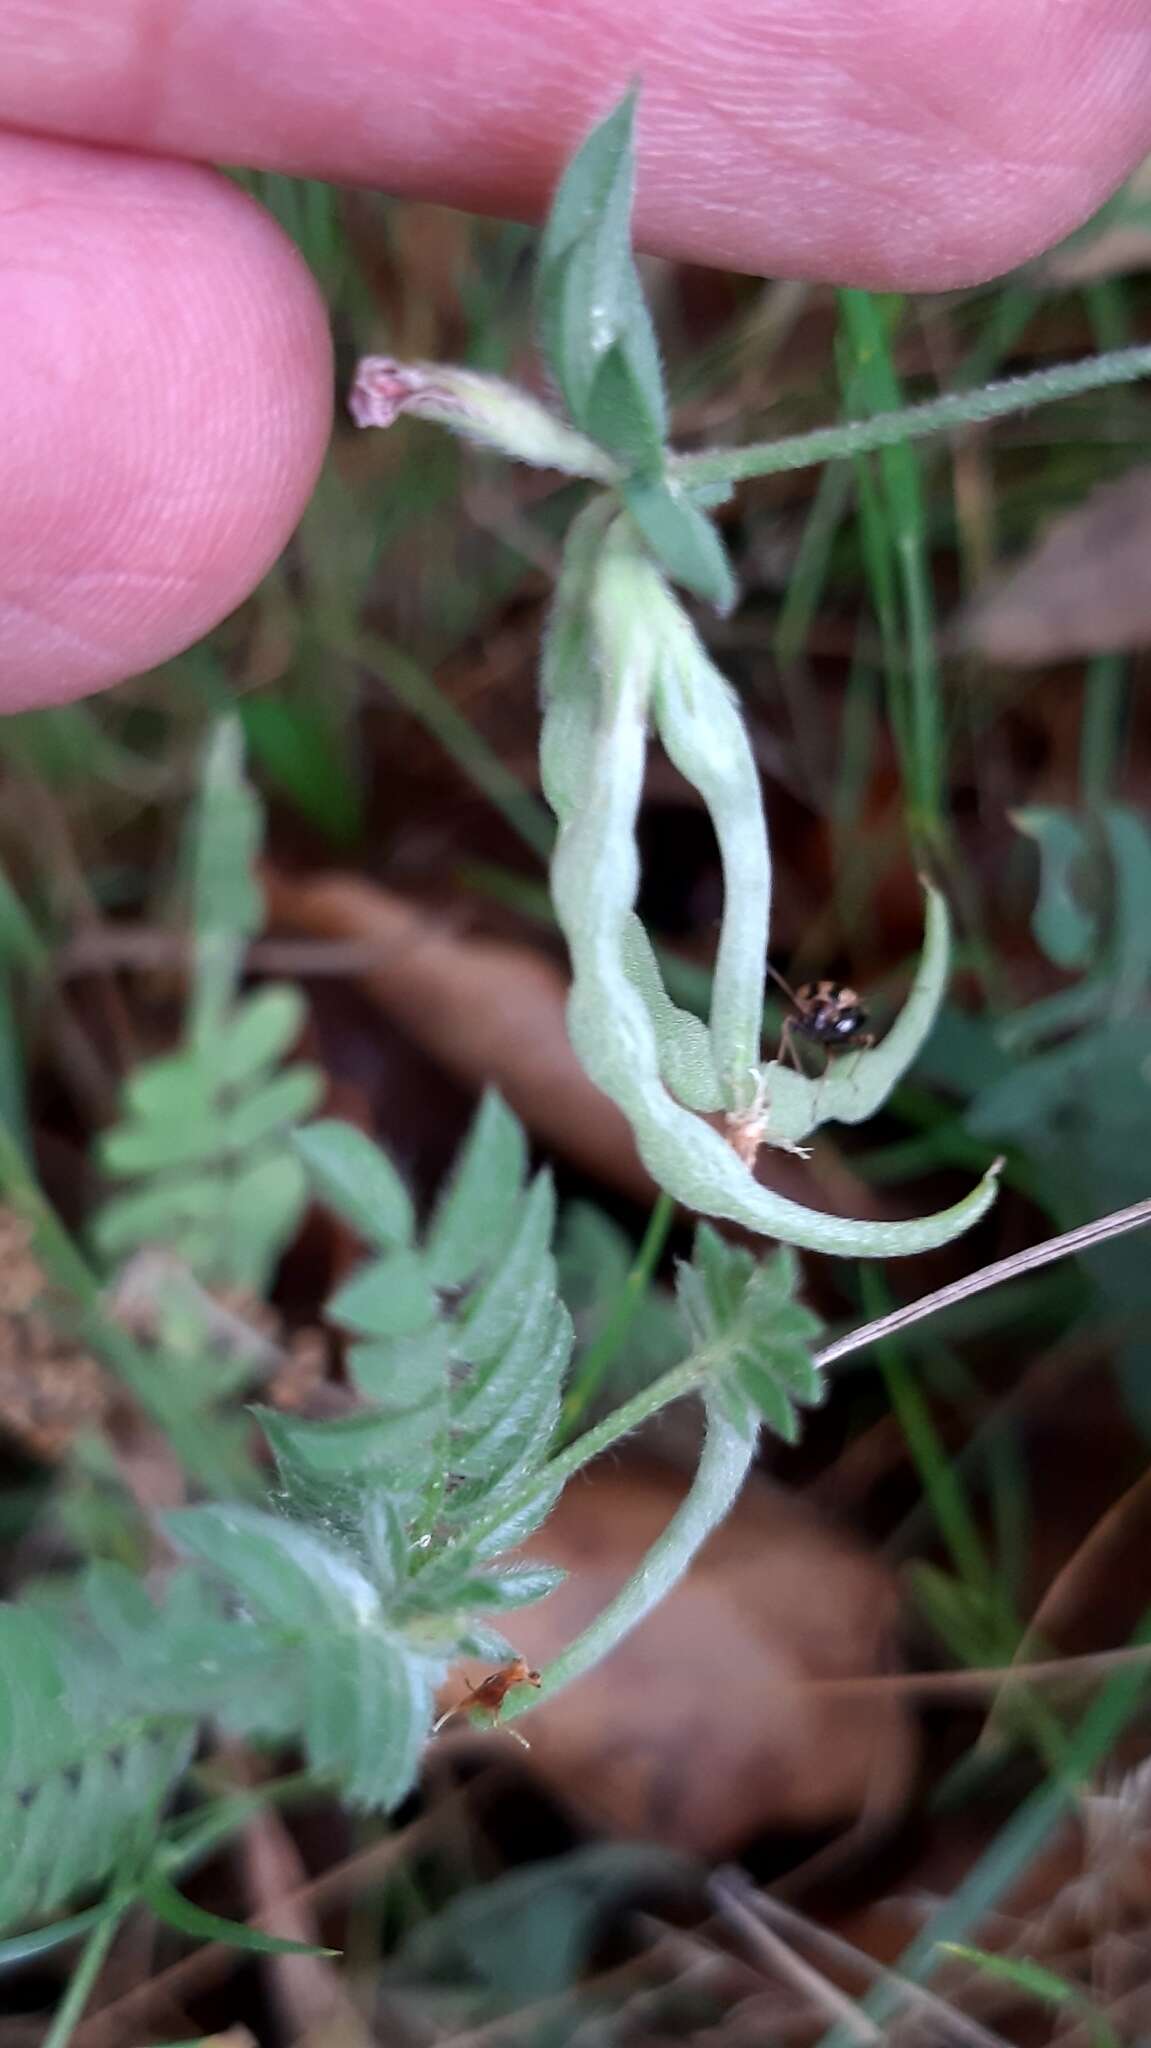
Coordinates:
[164,354]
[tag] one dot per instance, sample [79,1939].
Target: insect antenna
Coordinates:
[788,991]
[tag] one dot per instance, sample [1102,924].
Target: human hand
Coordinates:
[165,356]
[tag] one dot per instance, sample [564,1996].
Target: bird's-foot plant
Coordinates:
[324,1606]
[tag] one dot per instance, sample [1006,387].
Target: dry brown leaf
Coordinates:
[1085,588]
[490,1012]
[698,1731]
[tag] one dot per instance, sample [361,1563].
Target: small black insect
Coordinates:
[826,1012]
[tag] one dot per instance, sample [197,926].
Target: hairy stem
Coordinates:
[723,1467]
[915,422]
[600,1355]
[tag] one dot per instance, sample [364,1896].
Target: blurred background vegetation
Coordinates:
[942,646]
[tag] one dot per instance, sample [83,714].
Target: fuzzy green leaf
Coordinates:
[625,411]
[1065,929]
[158,1215]
[490,1320]
[476,1215]
[84,1768]
[289,1575]
[392,1447]
[368,1714]
[389,1297]
[272,1107]
[260,1210]
[588,300]
[191,1136]
[682,539]
[762,1337]
[358,1180]
[260,1031]
[510,1513]
[402,1372]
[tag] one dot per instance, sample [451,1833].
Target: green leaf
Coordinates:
[529,1935]
[390,1297]
[259,1212]
[1064,928]
[685,1053]
[260,1031]
[856,1085]
[769,1397]
[160,1215]
[290,1575]
[491,1318]
[599,166]
[620,414]
[171,1090]
[519,1586]
[355,1451]
[358,1180]
[19,1948]
[588,300]
[535,1355]
[176,1911]
[368,1715]
[273,1107]
[85,1764]
[190,1137]
[475,1217]
[294,745]
[682,539]
[402,1371]
[762,1338]
[386,1544]
[510,1514]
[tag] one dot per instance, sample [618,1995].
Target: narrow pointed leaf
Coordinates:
[683,540]
[391,1297]
[475,1217]
[358,1180]
[176,1911]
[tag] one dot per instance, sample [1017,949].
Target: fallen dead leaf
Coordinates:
[1083,589]
[698,1731]
[490,1012]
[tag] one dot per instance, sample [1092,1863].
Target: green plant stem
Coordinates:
[723,1467]
[1101,732]
[915,422]
[686,1378]
[80,1984]
[600,1355]
[217,1466]
[873,383]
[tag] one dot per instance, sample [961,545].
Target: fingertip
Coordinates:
[168,392]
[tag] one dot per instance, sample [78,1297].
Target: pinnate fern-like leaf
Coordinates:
[85,1766]
[201,1151]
